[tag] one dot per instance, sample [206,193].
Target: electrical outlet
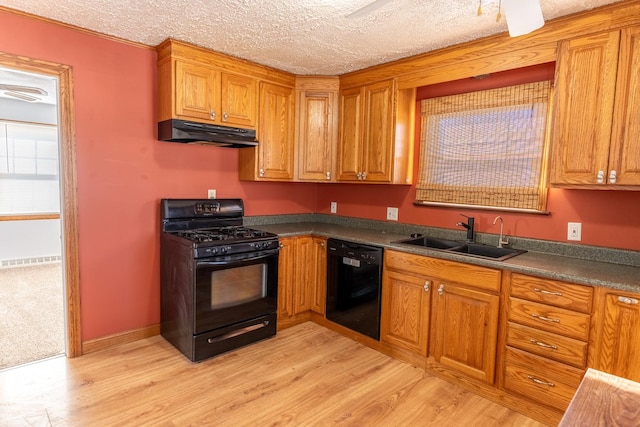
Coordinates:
[211,194]
[392,214]
[574,231]
[334,207]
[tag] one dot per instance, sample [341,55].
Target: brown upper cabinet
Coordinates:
[596,139]
[376,134]
[316,128]
[192,87]
[272,159]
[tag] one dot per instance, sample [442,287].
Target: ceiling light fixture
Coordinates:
[365,10]
[523,16]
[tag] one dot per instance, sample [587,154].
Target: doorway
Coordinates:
[69,263]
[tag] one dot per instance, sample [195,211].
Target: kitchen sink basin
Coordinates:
[431,242]
[471,249]
[485,251]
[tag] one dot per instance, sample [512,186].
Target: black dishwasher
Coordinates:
[354,276]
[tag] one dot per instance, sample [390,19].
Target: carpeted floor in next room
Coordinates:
[31,314]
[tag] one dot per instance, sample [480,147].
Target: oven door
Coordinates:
[235,288]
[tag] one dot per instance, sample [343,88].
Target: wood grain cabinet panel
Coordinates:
[406,311]
[375,143]
[539,379]
[548,318]
[595,138]
[464,330]
[295,280]
[318,264]
[272,159]
[316,129]
[615,344]
[552,292]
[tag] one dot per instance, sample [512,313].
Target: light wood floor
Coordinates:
[306,375]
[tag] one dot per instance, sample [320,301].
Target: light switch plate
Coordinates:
[211,194]
[334,207]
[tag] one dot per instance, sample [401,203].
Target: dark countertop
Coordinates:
[547,265]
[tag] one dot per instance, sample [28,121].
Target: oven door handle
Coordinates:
[236,258]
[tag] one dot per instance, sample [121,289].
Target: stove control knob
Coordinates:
[214,251]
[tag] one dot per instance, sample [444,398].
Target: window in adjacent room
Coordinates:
[485,149]
[29,180]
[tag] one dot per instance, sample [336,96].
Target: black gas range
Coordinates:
[218,278]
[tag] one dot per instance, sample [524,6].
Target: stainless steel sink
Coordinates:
[471,249]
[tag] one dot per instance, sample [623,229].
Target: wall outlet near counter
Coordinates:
[211,194]
[334,207]
[574,231]
[392,214]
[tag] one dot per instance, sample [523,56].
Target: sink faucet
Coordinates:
[469,226]
[501,241]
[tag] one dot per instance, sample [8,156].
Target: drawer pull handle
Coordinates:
[538,381]
[542,291]
[441,289]
[546,319]
[541,344]
[627,300]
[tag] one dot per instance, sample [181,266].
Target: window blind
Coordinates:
[486,148]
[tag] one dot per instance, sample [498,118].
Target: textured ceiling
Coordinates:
[307,37]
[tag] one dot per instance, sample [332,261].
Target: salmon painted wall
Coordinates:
[609,218]
[123,171]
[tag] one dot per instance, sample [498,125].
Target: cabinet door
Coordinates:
[286,278]
[196,91]
[583,108]
[616,344]
[276,132]
[406,310]
[465,330]
[377,141]
[318,262]
[350,140]
[238,106]
[303,274]
[624,159]
[316,136]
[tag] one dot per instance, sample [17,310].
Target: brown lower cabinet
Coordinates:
[520,340]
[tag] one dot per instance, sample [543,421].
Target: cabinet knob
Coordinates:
[612,177]
[225,117]
[261,172]
[328,175]
[213,115]
[427,285]
[359,175]
[441,289]
[364,175]
[600,177]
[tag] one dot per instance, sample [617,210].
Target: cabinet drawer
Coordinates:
[450,271]
[560,294]
[551,319]
[546,344]
[538,378]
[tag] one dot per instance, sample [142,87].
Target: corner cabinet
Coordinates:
[294,280]
[615,343]
[376,129]
[272,159]
[194,85]
[596,137]
[316,128]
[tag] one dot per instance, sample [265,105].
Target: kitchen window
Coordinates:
[486,149]
[29,179]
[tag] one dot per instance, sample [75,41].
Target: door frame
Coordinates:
[69,197]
